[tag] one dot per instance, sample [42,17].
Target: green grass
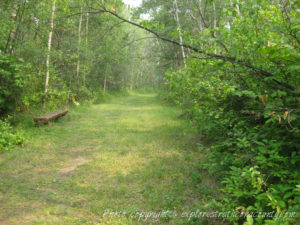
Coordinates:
[131,154]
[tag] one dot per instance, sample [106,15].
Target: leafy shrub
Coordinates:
[254,141]
[254,137]
[84,94]
[250,120]
[101,97]
[9,138]
[56,98]
[11,82]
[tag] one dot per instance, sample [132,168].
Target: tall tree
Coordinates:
[12,33]
[179,31]
[79,42]
[49,48]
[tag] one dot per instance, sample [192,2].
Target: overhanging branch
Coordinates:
[211,55]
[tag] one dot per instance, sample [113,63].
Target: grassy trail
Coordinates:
[130,155]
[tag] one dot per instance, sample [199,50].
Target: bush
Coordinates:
[254,140]
[9,138]
[84,94]
[11,83]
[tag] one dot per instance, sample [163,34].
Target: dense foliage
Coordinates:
[57,53]
[8,137]
[233,67]
[89,52]
[11,83]
[242,93]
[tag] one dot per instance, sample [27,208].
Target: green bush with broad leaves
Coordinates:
[251,120]
[11,83]
[8,137]
[254,143]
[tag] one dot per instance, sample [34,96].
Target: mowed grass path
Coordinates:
[129,156]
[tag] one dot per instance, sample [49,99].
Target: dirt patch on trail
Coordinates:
[72,165]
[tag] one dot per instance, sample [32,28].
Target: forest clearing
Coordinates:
[131,155]
[150,112]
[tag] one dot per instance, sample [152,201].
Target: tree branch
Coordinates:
[133,41]
[211,55]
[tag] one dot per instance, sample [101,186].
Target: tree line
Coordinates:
[231,65]
[234,69]
[55,51]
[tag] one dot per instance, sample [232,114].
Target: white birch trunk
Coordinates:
[215,19]
[86,40]
[87,27]
[238,9]
[180,33]
[131,76]
[49,47]
[12,33]
[104,84]
[215,24]
[79,42]
[237,6]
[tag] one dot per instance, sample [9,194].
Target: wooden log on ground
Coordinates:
[50,116]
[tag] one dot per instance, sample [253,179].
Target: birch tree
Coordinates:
[86,37]
[12,33]
[179,31]
[49,48]
[87,25]
[237,6]
[79,42]
[215,24]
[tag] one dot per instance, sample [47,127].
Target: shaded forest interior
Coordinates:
[231,67]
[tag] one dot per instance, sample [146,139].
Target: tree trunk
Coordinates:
[49,49]
[215,19]
[12,33]
[79,42]
[197,21]
[215,24]
[87,25]
[180,33]
[237,6]
[104,84]
[201,25]
[86,40]
[131,76]
[238,9]
[19,35]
